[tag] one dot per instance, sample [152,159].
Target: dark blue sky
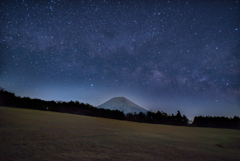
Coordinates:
[162,55]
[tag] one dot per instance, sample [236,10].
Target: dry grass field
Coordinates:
[42,135]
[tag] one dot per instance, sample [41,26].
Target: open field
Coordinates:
[42,135]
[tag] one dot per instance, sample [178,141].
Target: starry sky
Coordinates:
[162,55]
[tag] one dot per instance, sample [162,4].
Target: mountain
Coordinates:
[122,104]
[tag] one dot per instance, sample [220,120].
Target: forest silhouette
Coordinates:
[10,100]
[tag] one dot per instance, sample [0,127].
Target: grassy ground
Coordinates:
[42,135]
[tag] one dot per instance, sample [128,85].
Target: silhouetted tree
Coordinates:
[141,117]
[129,117]
[150,117]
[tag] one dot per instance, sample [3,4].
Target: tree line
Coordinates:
[9,99]
[217,122]
[159,118]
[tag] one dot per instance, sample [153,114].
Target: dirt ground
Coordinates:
[42,135]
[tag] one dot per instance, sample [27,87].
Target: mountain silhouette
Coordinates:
[122,104]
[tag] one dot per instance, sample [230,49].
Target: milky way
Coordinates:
[162,55]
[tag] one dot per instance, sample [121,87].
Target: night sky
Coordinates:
[167,56]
